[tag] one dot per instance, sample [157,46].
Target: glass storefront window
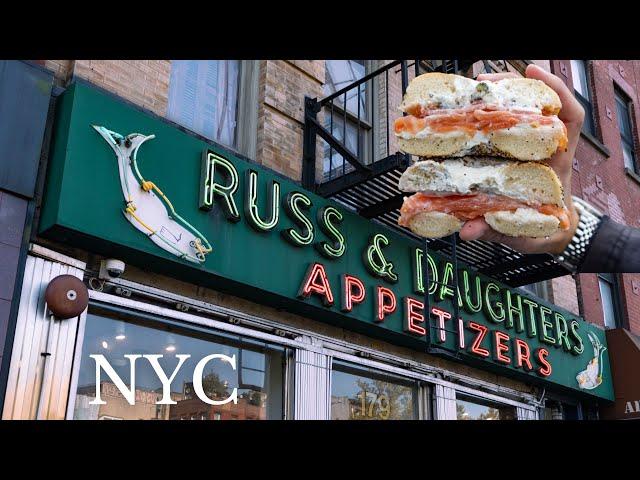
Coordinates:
[359,393]
[258,377]
[473,408]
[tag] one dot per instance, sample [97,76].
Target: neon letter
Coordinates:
[413,314]
[481,332]
[442,316]
[349,297]
[337,248]
[496,317]
[522,354]
[418,282]
[499,346]
[251,203]
[293,203]
[210,189]
[542,354]
[385,303]
[316,281]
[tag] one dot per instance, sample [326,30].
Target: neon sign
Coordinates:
[257,235]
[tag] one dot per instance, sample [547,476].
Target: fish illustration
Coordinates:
[147,208]
[591,377]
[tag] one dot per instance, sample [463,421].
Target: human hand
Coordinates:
[572,114]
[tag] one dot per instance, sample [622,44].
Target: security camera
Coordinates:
[111,268]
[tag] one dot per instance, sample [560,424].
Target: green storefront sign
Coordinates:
[124,183]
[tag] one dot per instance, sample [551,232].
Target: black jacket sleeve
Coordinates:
[614,248]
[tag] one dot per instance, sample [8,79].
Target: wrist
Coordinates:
[585,221]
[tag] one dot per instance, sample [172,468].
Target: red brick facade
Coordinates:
[601,179]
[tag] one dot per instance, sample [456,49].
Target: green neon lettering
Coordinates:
[337,248]
[514,309]
[251,203]
[491,309]
[293,203]
[532,330]
[210,189]
[561,331]
[573,330]
[445,289]
[375,260]
[418,282]
[545,324]
[469,305]
[447,275]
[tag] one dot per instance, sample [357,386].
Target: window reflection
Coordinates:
[359,394]
[471,408]
[203,96]
[258,376]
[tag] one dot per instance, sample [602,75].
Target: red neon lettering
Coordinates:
[413,315]
[318,283]
[461,334]
[475,346]
[545,370]
[522,354]
[385,303]
[499,338]
[351,295]
[442,316]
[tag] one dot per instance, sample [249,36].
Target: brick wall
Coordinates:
[564,293]
[143,82]
[282,87]
[601,179]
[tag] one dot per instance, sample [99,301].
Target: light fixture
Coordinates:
[120,332]
[105,344]
[171,343]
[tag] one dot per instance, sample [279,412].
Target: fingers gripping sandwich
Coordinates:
[453,116]
[479,143]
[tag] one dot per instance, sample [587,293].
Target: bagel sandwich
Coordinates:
[454,116]
[518,199]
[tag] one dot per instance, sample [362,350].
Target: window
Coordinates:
[583,94]
[216,99]
[475,408]
[610,295]
[539,289]
[557,410]
[359,393]
[625,125]
[259,373]
[350,123]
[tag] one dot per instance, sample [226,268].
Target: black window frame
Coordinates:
[589,125]
[621,97]
[362,121]
[616,298]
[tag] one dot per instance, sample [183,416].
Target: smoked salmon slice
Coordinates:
[468,207]
[474,120]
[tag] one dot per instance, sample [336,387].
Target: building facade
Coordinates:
[297,344]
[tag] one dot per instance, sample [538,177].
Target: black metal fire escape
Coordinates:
[365,178]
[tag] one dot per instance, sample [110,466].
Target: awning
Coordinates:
[624,357]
